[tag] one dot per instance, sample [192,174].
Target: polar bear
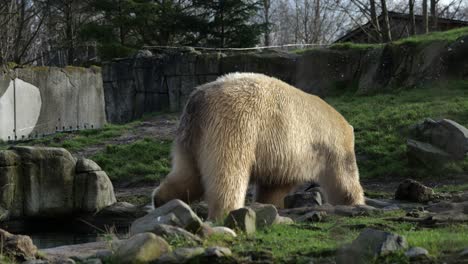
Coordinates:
[248,127]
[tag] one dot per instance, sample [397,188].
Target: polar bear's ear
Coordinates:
[352,128]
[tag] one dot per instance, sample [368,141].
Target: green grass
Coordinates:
[323,239]
[146,159]
[452,188]
[380,122]
[448,36]
[77,140]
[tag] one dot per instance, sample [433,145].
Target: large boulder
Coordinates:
[175,212]
[371,243]
[413,191]
[46,182]
[141,248]
[433,141]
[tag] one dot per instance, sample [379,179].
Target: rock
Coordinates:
[411,190]
[79,251]
[449,207]
[303,199]
[377,203]
[283,220]
[311,217]
[180,255]
[173,232]
[417,252]
[34,261]
[121,210]
[143,54]
[93,191]
[243,219]
[218,252]
[369,244]
[174,212]
[141,248]
[92,261]
[43,182]
[222,230]
[266,214]
[17,247]
[86,165]
[424,153]
[464,254]
[445,134]
[201,209]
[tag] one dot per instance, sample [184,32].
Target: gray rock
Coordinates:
[18,247]
[445,134]
[173,232]
[86,165]
[201,209]
[416,252]
[174,212]
[222,230]
[121,210]
[243,219]
[424,153]
[141,248]
[79,251]
[36,261]
[377,203]
[218,252]
[411,190]
[303,199]
[283,220]
[43,182]
[143,54]
[181,255]
[464,254]
[369,244]
[313,216]
[93,191]
[92,261]
[266,214]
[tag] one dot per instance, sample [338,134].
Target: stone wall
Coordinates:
[37,101]
[134,86]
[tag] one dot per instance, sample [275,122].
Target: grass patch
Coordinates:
[146,159]
[451,188]
[322,239]
[449,35]
[380,122]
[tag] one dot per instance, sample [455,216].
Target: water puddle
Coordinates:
[61,232]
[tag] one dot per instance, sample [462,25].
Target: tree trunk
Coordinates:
[69,32]
[433,15]
[387,35]
[425,18]
[412,18]
[266,16]
[376,35]
[317,22]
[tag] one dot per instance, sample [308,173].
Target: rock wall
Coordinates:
[37,101]
[134,86]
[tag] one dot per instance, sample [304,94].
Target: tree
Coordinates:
[230,23]
[387,35]
[412,18]
[434,15]
[375,21]
[266,21]
[425,19]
